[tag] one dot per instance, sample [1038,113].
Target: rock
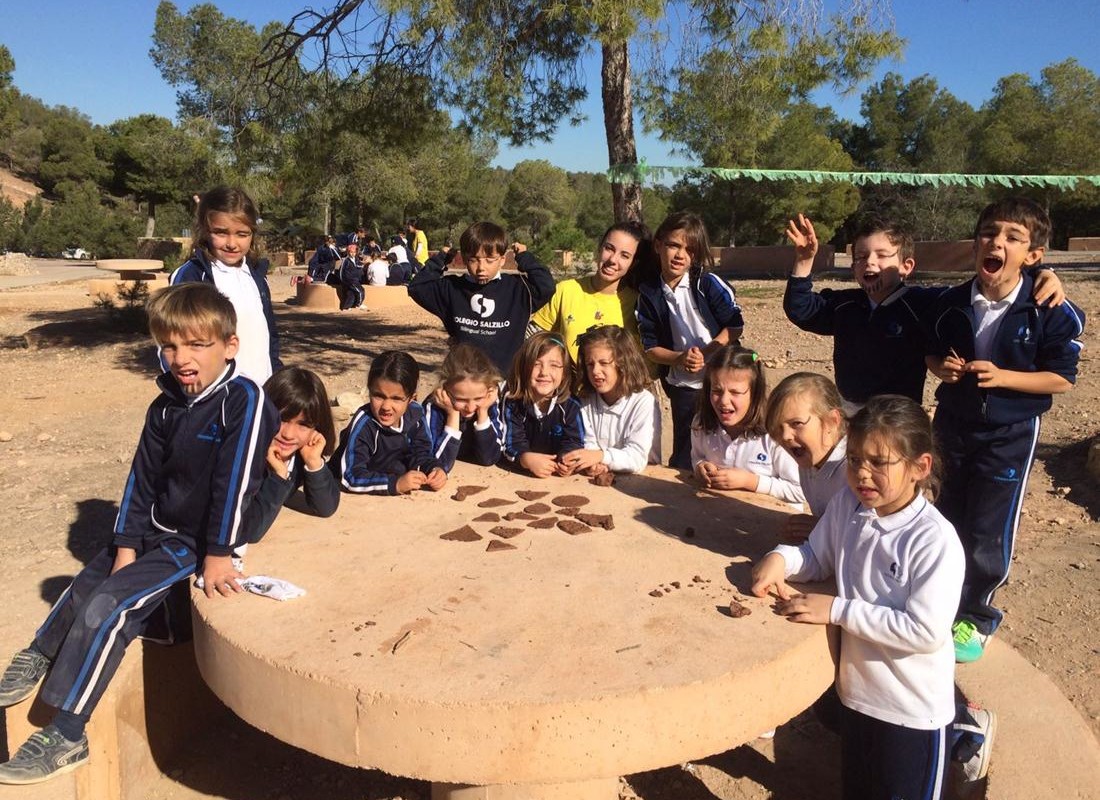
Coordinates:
[5,436]
[350,400]
[43,437]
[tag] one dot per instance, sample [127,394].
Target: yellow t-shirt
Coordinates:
[420,247]
[576,306]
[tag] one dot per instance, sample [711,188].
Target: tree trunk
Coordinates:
[733,212]
[618,122]
[151,220]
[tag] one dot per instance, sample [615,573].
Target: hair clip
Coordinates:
[755,356]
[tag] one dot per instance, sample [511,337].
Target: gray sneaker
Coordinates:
[20,679]
[46,754]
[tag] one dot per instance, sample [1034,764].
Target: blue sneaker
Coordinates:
[44,755]
[969,644]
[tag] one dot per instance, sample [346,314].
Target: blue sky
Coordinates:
[93,56]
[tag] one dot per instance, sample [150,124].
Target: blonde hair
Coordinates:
[820,391]
[190,309]
[633,373]
[523,365]
[465,362]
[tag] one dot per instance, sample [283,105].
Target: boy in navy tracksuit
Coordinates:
[199,461]
[385,449]
[484,308]
[879,330]
[351,279]
[1000,356]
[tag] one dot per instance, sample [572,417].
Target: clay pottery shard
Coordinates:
[530,494]
[738,610]
[569,512]
[463,534]
[538,508]
[572,527]
[545,522]
[488,516]
[572,500]
[656,593]
[497,544]
[604,521]
[505,533]
[495,502]
[512,516]
[603,479]
[465,491]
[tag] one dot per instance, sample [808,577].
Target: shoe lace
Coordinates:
[963,630]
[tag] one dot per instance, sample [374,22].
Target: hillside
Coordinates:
[17,190]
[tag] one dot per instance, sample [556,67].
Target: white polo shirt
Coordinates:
[688,330]
[254,355]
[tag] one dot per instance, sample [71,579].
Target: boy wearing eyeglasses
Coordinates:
[879,329]
[483,307]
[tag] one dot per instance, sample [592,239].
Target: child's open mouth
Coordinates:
[991,265]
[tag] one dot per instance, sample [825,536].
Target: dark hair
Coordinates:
[633,373]
[735,357]
[523,364]
[822,393]
[411,221]
[296,391]
[1022,211]
[483,237]
[188,309]
[896,233]
[695,232]
[464,362]
[396,366]
[904,426]
[224,200]
[643,255]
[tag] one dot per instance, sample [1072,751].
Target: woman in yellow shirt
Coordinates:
[606,297]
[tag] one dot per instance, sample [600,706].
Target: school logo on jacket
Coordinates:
[483,306]
[1023,335]
[1008,476]
[895,572]
[762,457]
[212,433]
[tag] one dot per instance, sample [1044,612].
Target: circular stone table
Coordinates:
[546,671]
[132,269]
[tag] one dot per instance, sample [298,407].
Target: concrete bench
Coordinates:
[156,704]
[1086,243]
[130,271]
[322,297]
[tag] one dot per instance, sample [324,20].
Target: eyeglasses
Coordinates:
[861,259]
[875,464]
[476,261]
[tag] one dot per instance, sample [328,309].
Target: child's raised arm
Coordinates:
[804,238]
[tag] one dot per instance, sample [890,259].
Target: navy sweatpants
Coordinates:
[684,402]
[985,477]
[883,761]
[89,627]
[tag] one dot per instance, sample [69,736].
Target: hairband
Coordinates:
[556,341]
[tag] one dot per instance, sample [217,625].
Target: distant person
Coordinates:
[351,279]
[199,463]
[483,307]
[378,271]
[416,240]
[323,261]
[225,226]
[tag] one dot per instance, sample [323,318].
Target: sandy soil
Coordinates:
[73,402]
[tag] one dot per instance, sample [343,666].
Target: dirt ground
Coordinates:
[74,395]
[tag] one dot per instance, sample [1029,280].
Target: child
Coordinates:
[378,271]
[385,449]
[729,446]
[296,456]
[898,567]
[805,415]
[225,225]
[621,418]
[198,463]
[463,415]
[541,421]
[1000,356]
[351,278]
[884,321]
[323,261]
[416,241]
[483,307]
[607,296]
[683,322]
